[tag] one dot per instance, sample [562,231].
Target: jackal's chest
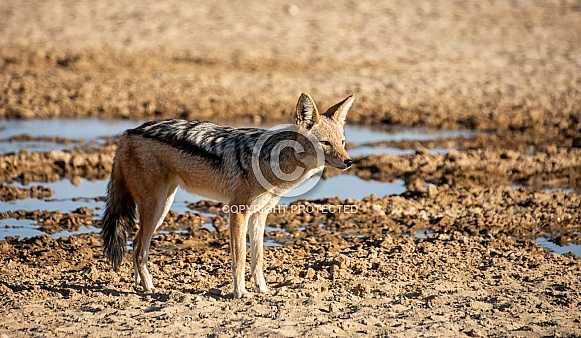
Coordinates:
[295,183]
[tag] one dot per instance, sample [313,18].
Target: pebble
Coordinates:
[310,273]
[215,291]
[432,190]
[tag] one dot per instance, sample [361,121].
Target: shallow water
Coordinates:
[86,129]
[366,151]
[68,197]
[546,243]
[542,241]
[28,228]
[92,129]
[363,135]
[347,186]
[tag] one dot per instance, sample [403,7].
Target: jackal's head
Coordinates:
[327,128]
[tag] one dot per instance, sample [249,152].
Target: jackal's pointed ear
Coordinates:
[339,111]
[306,114]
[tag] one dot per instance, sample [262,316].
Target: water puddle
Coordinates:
[542,241]
[569,191]
[347,186]
[28,228]
[270,241]
[94,130]
[18,227]
[543,188]
[363,135]
[88,130]
[546,243]
[423,234]
[67,196]
[366,151]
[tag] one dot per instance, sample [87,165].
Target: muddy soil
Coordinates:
[452,256]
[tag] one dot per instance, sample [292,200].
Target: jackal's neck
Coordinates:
[288,157]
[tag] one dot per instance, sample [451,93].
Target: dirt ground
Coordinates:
[452,256]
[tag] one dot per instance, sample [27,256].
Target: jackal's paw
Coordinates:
[261,289]
[242,294]
[149,290]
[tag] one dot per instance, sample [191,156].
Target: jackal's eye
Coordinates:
[326,143]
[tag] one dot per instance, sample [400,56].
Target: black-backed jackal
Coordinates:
[220,163]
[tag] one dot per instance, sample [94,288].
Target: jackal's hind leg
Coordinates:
[136,249]
[150,220]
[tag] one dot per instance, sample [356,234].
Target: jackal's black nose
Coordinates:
[348,162]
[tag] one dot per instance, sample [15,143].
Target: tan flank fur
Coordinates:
[153,160]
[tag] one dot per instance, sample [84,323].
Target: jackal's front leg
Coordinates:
[256,226]
[238,222]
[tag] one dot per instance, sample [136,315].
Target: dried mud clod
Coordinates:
[11,193]
[50,166]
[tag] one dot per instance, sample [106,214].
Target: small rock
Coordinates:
[293,10]
[387,241]
[445,221]
[98,307]
[60,155]
[335,272]
[76,181]
[333,308]
[310,273]
[215,292]
[341,261]
[453,154]
[551,149]
[421,150]
[77,161]
[361,289]
[474,333]
[93,159]
[433,301]
[562,240]
[432,190]
[416,185]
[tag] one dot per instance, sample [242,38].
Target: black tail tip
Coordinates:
[115,257]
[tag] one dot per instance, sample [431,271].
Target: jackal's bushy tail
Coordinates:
[118,219]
